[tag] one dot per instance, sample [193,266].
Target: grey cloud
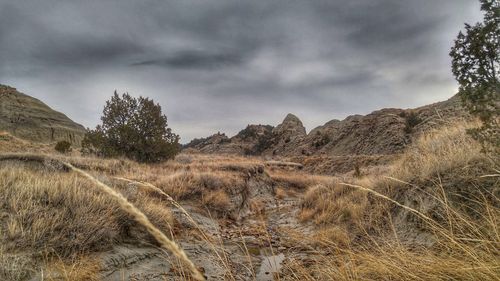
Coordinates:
[195,60]
[232,62]
[77,51]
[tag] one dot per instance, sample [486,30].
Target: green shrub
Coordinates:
[412,120]
[63,147]
[134,128]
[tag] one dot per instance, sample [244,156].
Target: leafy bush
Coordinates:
[412,120]
[63,147]
[134,128]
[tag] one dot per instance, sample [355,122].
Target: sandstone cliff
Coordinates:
[30,119]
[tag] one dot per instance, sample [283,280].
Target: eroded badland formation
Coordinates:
[393,195]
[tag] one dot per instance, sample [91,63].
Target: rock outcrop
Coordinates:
[382,132]
[249,141]
[207,145]
[30,119]
[291,127]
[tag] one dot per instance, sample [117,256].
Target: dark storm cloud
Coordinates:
[220,64]
[75,51]
[194,60]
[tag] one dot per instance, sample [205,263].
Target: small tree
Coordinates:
[134,128]
[63,147]
[476,66]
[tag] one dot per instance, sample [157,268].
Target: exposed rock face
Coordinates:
[287,135]
[382,132]
[28,118]
[207,145]
[291,127]
[250,140]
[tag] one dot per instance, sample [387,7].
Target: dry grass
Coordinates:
[9,143]
[15,266]
[84,222]
[139,217]
[217,201]
[98,222]
[280,193]
[257,206]
[157,212]
[60,213]
[190,184]
[394,262]
[329,204]
[437,152]
[60,216]
[442,186]
[445,154]
[344,164]
[84,269]
[366,228]
[332,236]
[297,180]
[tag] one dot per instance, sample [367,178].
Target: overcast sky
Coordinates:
[217,65]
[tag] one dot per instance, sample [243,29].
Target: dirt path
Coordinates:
[252,248]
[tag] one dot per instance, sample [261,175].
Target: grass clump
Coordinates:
[217,201]
[60,214]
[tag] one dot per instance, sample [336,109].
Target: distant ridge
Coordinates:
[28,118]
[382,132]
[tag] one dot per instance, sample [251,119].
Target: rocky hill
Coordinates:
[382,132]
[247,141]
[30,119]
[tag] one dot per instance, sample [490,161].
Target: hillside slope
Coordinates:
[433,215]
[30,119]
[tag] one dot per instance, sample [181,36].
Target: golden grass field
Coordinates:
[433,214]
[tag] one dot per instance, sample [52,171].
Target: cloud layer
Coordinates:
[217,65]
